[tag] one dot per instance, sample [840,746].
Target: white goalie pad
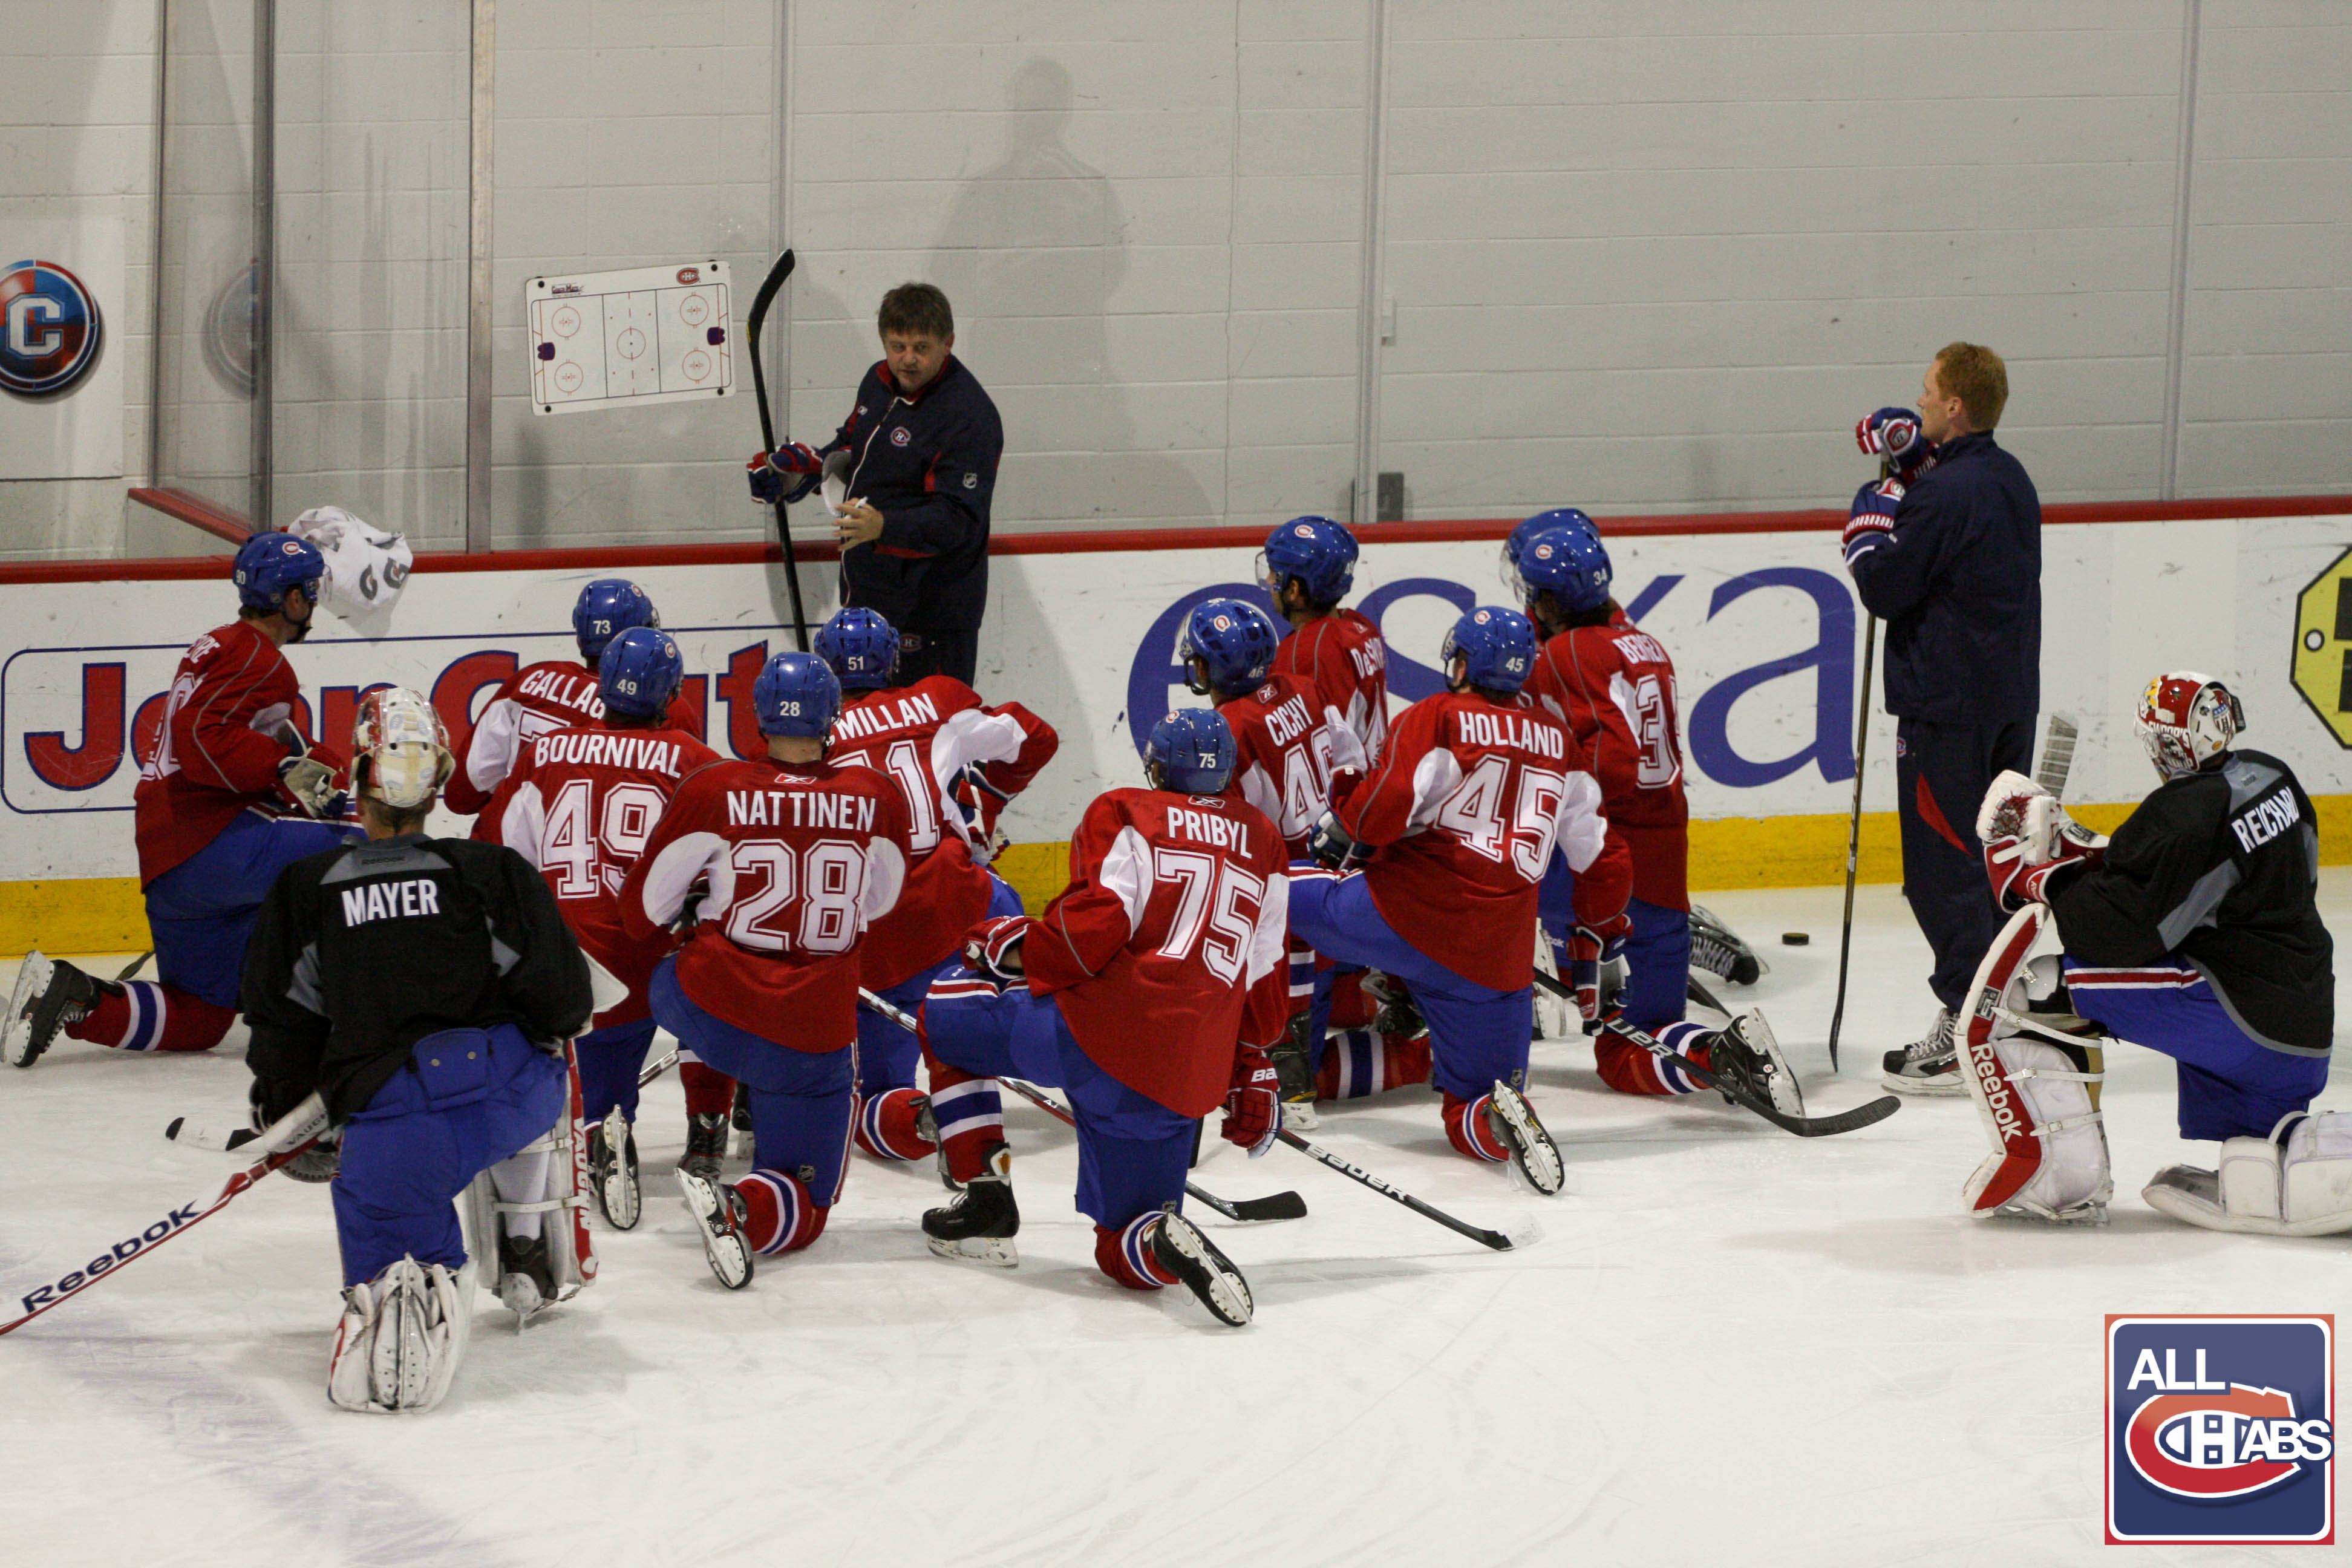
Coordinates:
[401,1336]
[2296,1181]
[560,1203]
[2034,1090]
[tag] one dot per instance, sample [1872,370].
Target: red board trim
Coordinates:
[218,521]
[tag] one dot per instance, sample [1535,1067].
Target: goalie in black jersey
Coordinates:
[424,988]
[2193,932]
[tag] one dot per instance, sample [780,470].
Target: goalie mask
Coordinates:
[400,749]
[2186,720]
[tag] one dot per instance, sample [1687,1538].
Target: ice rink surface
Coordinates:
[1731,1345]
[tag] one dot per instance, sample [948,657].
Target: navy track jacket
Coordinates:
[928,464]
[1958,580]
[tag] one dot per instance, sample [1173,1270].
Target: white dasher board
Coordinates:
[621,340]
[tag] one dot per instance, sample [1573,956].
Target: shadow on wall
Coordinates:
[1033,248]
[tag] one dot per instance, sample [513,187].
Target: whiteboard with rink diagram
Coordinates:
[625,339]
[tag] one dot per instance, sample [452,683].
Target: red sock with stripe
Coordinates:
[143,1015]
[970,1111]
[781,1215]
[1466,1130]
[1630,1069]
[886,1128]
[1125,1253]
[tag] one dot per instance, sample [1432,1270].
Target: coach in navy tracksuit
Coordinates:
[918,457]
[1949,553]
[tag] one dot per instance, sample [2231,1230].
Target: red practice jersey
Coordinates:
[1343,658]
[580,805]
[553,694]
[1166,949]
[800,858]
[923,738]
[1286,746]
[1464,807]
[1615,687]
[217,749]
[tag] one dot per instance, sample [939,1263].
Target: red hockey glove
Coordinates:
[992,947]
[1872,518]
[1590,947]
[1254,1105]
[2016,882]
[1894,434]
[769,486]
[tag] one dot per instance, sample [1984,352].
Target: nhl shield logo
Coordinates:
[2220,1429]
[50,329]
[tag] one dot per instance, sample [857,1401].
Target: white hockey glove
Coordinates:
[312,783]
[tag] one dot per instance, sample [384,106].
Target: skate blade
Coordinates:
[519,1295]
[1534,1156]
[622,1201]
[1928,1088]
[2092,1215]
[33,978]
[988,1251]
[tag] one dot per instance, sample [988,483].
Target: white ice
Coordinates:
[1731,1345]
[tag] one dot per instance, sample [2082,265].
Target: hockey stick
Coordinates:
[1877,1110]
[654,1069]
[1493,1238]
[769,287]
[1278,1205]
[1854,835]
[2057,755]
[288,1137]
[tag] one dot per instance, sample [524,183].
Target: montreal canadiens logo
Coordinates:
[899,437]
[2221,1445]
[50,329]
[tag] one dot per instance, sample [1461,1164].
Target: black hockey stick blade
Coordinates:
[212,1138]
[1355,1172]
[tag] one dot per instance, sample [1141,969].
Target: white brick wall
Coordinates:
[1644,257]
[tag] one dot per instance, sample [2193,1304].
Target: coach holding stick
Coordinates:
[1948,552]
[917,460]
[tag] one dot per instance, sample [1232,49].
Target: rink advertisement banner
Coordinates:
[1764,630]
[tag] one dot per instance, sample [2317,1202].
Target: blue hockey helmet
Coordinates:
[1498,644]
[607,608]
[861,647]
[639,672]
[1543,522]
[796,694]
[1318,552]
[268,564]
[1193,750]
[1234,638]
[1573,564]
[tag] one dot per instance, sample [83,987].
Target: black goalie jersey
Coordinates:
[2219,867]
[360,953]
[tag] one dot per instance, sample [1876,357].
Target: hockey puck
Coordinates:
[1794,939]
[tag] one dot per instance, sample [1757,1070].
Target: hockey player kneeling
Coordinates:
[1457,823]
[2194,933]
[424,986]
[799,857]
[1128,994]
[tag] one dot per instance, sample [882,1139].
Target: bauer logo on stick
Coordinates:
[2220,1429]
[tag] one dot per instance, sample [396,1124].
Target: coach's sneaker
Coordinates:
[613,1171]
[1929,1065]
[719,1214]
[1177,1246]
[978,1224]
[1533,1154]
[1747,1056]
[49,995]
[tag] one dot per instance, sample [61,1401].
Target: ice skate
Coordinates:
[1178,1245]
[526,1277]
[741,1118]
[978,1224]
[1294,1066]
[1533,1154]
[1397,1014]
[719,1214]
[706,1146]
[1747,1056]
[49,995]
[1929,1065]
[1716,949]
[613,1172]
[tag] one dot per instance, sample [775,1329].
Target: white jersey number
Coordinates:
[591,849]
[1218,896]
[810,900]
[1474,815]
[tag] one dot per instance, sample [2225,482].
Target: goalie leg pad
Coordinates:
[2033,1092]
[401,1336]
[2296,1181]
